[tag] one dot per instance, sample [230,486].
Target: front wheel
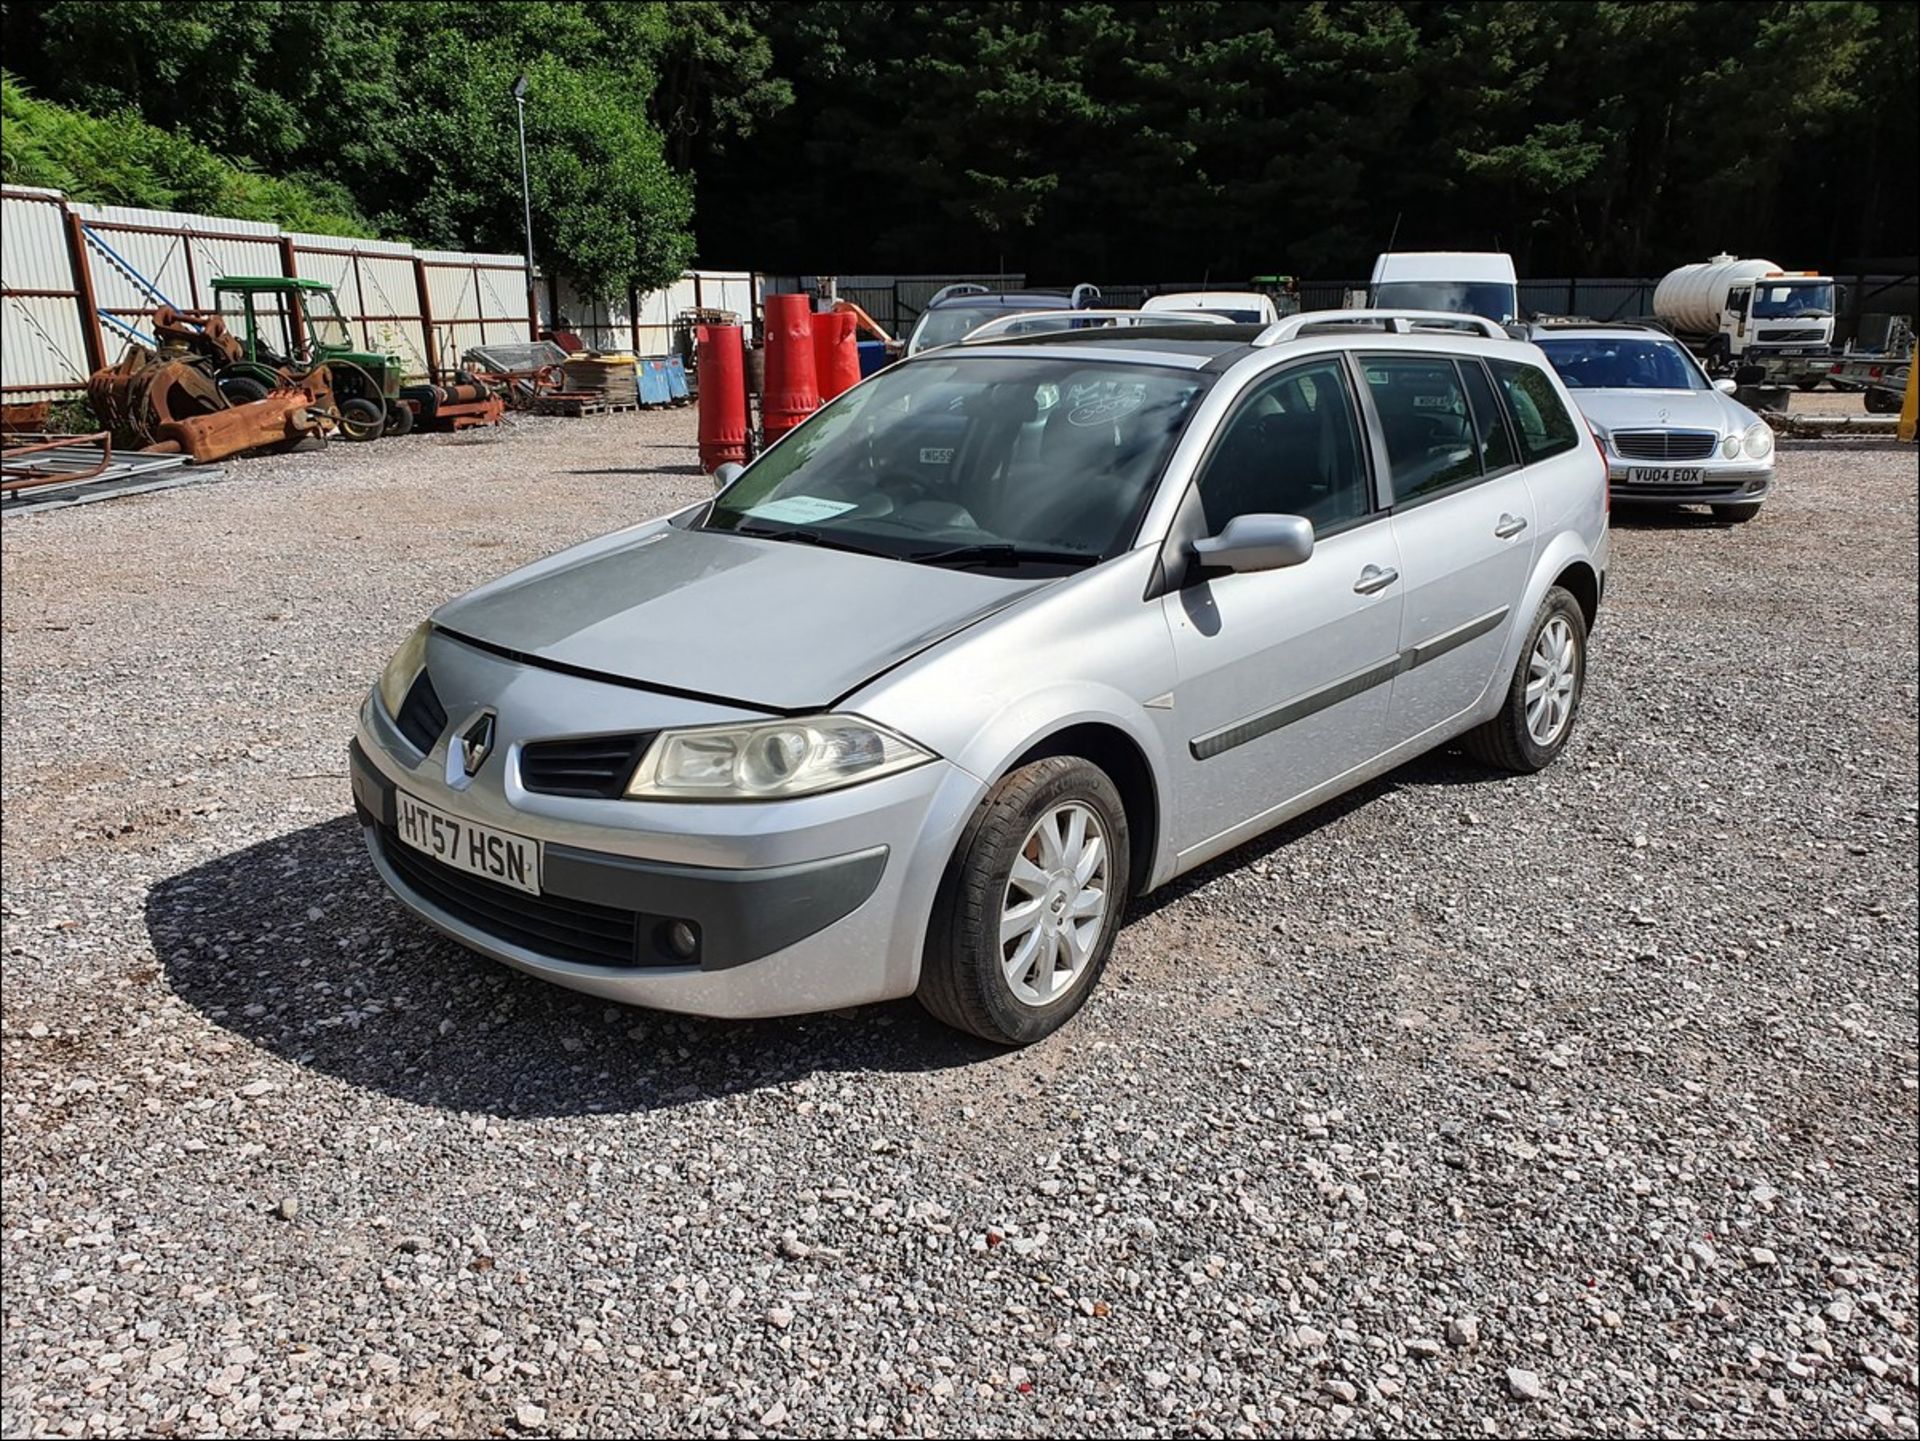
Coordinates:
[1537,716]
[1026,914]
[1739,514]
[362,419]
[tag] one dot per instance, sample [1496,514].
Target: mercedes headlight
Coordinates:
[405,667]
[1758,441]
[770,759]
[1730,447]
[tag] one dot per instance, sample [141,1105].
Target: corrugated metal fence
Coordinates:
[79,281]
[646,324]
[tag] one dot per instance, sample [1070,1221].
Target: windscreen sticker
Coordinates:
[1090,405]
[799,509]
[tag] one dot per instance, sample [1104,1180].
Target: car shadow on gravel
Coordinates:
[294,946]
[1436,769]
[1660,518]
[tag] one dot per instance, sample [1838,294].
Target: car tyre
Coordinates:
[967,972]
[1519,738]
[1739,514]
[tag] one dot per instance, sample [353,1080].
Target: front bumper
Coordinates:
[804,904]
[1720,480]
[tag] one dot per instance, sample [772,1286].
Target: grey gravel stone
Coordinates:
[1380,1070]
[1463,1331]
[1523,1385]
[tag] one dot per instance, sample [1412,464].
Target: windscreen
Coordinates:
[996,461]
[324,321]
[1627,363]
[949,324]
[1806,300]
[1494,299]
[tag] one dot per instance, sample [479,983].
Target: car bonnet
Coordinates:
[761,623]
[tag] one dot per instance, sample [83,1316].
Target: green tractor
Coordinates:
[288,327]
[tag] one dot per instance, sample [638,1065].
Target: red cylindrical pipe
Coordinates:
[792,389]
[836,359]
[723,396]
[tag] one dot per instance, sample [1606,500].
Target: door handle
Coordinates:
[1375,578]
[1510,525]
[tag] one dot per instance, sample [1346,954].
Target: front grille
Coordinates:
[547,925]
[1665,444]
[421,717]
[583,765]
[1806,333]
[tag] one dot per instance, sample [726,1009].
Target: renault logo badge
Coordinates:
[476,744]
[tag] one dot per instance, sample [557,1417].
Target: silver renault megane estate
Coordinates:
[1005,635]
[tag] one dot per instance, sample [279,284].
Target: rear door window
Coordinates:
[1431,444]
[1539,419]
[1489,423]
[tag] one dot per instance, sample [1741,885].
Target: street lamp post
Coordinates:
[526,202]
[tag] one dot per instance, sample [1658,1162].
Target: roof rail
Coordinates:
[1396,322]
[959,287]
[1002,327]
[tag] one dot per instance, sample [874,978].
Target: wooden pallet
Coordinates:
[574,408]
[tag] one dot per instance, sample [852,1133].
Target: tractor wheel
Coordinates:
[362,419]
[399,418]
[241,389]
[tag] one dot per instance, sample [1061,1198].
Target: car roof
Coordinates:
[1174,299]
[1594,329]
[1216,348]
[1004,300]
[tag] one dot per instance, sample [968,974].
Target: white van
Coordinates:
[1244,307]
[1470,282]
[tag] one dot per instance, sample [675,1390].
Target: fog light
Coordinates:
[683,940]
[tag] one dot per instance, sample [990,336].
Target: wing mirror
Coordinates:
[1725,386]
[726,475]
[1257,542]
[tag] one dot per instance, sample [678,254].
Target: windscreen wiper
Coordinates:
[800,535]
[999,552]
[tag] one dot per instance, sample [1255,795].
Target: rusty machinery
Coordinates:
[172,404]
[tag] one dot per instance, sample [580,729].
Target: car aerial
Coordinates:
[1246,307]
[957,310]
[1007,634]
[1672,435]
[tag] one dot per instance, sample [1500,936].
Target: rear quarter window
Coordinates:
[1539,419]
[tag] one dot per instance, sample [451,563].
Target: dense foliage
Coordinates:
[122,160]
[1166,141]
[1114,141]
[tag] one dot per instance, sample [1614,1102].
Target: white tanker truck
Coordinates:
[1737,313]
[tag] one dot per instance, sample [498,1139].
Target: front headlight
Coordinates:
[770,759]
[1730,447]
[1758,441]
[405,667]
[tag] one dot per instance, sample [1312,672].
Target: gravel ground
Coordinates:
[1580,1103]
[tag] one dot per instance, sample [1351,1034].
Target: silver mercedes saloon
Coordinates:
[1007,634]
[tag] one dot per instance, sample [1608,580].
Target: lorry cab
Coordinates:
[1467,282]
